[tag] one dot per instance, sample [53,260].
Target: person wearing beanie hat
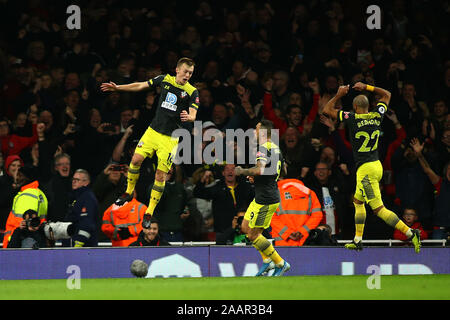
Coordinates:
[16,163]
[8,186]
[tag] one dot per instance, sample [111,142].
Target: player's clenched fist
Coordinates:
[343,90]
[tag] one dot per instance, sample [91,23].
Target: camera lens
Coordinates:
[35,222]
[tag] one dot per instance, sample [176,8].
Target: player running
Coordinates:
[178,103]
[267,199]
[364,127]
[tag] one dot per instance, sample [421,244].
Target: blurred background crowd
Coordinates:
[279,60]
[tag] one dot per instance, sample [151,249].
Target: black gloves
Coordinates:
[124,233]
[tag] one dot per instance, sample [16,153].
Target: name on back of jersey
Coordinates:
[368,122]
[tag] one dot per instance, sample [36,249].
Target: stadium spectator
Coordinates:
[51,132]
[410,218]
[202,206]
[13,144]
[412,186]
[149,236]
[57,189]
[227,194]
[83,211]
[220,116]
[294,148]
[233,234]
[443,148]
[438,116]
[333,196]
[9,187]
[281,93]
[123,224]
[29,197]
[410,112]
[146,114]
[299,213]
[321,236]
[97,139]
[206,104]
[441,212]
[172,210]
[107,186]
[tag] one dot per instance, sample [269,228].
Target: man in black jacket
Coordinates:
[149,236]
[83,211]
[227,195]
[58,188]
[332,194]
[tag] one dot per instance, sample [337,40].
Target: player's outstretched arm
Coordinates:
[329,108]
[385,95]
[253,171]
[132,87]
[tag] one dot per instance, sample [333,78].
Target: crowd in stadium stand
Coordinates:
[276,60]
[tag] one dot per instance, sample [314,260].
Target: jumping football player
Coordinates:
[178,103]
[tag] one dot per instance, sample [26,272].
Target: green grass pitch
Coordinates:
[427,287]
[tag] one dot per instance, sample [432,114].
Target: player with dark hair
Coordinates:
[178,103]
[364,127]
[267,199]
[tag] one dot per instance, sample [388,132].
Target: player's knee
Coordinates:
[137,160]
[253,234]
[378,209]
[376,205]
[160,176]
[252,237]
[244,227]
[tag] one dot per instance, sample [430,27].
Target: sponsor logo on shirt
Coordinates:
[170,102]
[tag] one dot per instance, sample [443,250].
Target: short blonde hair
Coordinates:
[187,61]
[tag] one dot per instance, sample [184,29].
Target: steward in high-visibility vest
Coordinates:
[29,197]
[299,213]
[122,224]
